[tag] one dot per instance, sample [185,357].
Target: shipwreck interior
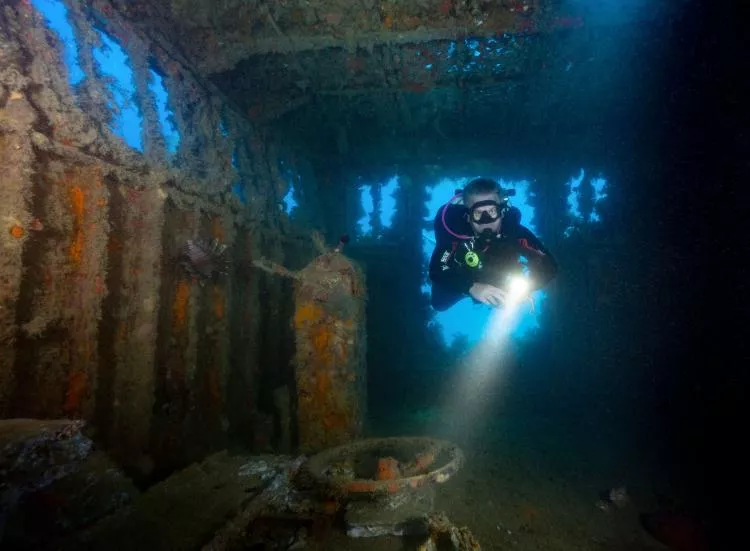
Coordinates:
[215,224]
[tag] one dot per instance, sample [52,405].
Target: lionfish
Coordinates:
[203,260]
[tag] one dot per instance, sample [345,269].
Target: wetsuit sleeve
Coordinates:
[542,264]
[448,274]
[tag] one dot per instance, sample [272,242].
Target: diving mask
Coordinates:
[488,215]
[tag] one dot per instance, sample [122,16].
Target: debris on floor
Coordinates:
[60,493]
[442,532]
[72,503]
[53,481]
[187,509]
[400,514]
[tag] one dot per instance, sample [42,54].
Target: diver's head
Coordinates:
[486,205]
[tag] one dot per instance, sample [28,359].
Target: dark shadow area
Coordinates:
[643,328]
[701,379]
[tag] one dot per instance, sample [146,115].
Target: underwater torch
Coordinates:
[518,288]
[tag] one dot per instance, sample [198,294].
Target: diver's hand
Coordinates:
[487,294]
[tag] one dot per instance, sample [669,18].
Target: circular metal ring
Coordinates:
[433,449]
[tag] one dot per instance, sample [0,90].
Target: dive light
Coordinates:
[518,288]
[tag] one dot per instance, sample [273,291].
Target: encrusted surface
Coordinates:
[96,321]
[330,334]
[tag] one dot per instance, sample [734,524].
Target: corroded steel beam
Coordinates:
[216,37]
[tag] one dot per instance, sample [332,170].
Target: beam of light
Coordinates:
[481,381]
[56,16]
[166,116]
[113,62]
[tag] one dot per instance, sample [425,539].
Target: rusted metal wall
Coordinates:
[97,321]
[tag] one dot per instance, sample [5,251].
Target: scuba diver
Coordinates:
[481,250]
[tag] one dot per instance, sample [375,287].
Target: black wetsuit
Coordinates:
[500,255]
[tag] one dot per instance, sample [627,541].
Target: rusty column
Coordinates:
[135,249]
[16,157]
[177,344]
[330,342]
[330,335]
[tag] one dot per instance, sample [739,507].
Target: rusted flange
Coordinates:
[321,466]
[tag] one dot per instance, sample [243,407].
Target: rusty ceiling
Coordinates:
[340,75]
[275,54]
[215,36]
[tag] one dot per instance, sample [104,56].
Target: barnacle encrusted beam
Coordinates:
[215,37]
[365,41]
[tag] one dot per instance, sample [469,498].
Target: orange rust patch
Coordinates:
[76,390]
[78,203]
[307,313]
[388,469]
[362,486]
[322,339]
[217,229]
[322,382]
[179,307]
[17,231]
[76,248]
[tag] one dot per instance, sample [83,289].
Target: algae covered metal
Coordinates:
[330,344]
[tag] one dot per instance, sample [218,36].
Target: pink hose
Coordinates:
[442,218]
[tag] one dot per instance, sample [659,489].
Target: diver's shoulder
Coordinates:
[454,217]
[514,231]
